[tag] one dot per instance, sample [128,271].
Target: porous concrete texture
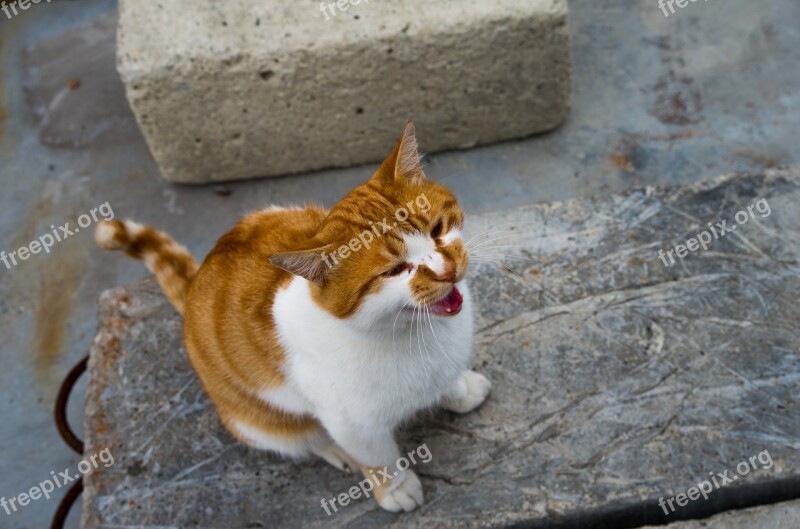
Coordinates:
[234,90]
[779,516]
[616,381]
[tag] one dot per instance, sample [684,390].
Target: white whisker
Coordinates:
[502,256]
[399,312]
[498,227]
[497,239]
[424,344]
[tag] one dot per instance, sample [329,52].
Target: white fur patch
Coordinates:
[421,250]
[104,235]
[274,207]
[149,259]
[451,236]
[134,228]
[286,398]
[353,371]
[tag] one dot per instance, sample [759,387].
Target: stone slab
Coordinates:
[779,516]
[617,381]
[235,90]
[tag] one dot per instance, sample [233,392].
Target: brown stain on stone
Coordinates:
[677,102]
[684,134]
[760,159]
[45,286]
[110,352]
[60,278]
[621,161]
[25,272]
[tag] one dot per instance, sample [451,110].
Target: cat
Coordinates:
[309,344]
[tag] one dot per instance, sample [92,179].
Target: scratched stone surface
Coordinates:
[617,381]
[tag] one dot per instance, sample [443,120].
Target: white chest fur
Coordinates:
[382,373]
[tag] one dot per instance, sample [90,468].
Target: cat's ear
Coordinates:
[407,165]
[404,162]
[313,265]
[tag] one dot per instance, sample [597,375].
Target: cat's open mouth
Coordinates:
[450,305]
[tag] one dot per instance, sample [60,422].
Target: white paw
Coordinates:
[474,389]
[405,495]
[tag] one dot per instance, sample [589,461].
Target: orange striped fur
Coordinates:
[171,263]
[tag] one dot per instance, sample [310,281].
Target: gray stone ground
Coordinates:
[617,381]
[709,90]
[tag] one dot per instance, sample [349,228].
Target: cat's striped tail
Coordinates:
[171,263]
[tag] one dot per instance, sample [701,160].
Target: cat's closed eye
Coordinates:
[397,270]
[436,232]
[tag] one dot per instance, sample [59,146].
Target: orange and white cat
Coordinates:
[303,352]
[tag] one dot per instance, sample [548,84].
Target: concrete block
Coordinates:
[234,90]
[616,381]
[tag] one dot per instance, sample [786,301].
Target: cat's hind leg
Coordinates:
[292,444]
[335,455]
[302,443]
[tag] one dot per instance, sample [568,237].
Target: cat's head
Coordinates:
[390,246]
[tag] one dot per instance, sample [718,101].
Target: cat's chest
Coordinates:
[407,367]
[384,380]
[413,357]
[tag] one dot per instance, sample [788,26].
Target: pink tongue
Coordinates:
[450,305]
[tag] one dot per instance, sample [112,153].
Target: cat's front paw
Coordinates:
[404,493]
[468,393]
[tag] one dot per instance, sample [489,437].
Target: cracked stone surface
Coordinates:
[616,380]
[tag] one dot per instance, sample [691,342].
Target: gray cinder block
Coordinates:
[233,90]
